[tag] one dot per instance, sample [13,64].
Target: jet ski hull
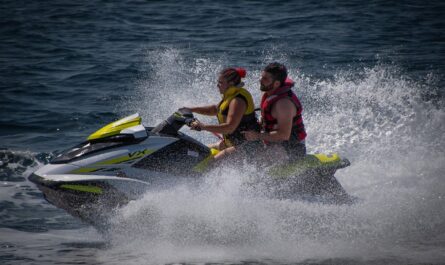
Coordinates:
[90,198]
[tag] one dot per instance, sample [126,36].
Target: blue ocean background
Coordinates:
[370,76]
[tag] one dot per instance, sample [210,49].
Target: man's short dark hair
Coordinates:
[278,71]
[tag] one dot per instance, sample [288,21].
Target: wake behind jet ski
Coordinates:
[123,160]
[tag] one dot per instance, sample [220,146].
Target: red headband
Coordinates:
[241,72]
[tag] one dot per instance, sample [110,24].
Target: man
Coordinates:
[282,123]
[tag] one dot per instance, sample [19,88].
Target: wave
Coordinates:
[16,165]
[375,116]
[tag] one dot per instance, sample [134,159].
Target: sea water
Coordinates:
[370,78]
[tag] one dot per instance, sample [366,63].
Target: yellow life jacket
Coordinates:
[248,122]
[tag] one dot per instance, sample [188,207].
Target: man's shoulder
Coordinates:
[285,102]
[283,105]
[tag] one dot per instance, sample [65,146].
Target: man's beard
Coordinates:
[266,88]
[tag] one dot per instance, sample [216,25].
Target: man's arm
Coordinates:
[284,111]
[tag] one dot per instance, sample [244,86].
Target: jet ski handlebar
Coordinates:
[187,117]
[174,123]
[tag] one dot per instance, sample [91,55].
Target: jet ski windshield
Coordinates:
[79,150]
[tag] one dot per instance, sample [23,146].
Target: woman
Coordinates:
[235,112]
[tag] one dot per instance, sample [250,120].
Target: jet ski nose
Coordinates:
[38,180]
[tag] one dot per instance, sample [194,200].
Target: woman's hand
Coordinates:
[196,125]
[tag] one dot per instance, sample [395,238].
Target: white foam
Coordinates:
[376,117]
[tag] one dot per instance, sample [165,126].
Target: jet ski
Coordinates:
[123,160]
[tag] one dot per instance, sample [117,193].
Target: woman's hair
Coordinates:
[233,75]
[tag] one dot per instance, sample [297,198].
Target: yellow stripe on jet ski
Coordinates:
[202,166]
[84,170]
[323,158]
[307,163]
[116,127]
[83,188]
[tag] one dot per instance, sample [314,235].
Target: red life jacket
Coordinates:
[298,133]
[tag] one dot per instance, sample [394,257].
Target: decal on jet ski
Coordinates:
[83,188]
[123,159]
[130,156]
[140,153]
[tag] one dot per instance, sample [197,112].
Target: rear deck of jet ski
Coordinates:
[310,179]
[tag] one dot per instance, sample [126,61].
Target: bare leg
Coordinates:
[219,145]
[225,152]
